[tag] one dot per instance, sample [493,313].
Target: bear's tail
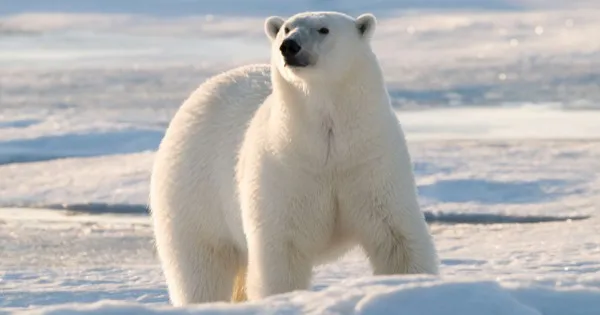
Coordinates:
[239,286]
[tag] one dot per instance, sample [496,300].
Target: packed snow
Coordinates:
[499,101]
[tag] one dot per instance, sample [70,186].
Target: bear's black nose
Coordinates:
[289,48]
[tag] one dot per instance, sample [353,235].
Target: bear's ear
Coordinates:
[272,26]
[366,24]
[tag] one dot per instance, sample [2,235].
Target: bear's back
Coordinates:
[196,158]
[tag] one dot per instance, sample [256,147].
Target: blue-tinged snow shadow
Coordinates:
[19,123]
[79,145]
[494,192]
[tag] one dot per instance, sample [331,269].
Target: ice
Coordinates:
[498,99]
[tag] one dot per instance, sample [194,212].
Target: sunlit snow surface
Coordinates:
[499,101]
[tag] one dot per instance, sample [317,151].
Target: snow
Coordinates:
[373,296]
[498,99]
[105,263]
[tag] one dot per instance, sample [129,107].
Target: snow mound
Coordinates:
[374,295]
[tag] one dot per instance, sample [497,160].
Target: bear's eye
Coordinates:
[286,29]
[323,30]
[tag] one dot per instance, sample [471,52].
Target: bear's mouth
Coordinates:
[295,62]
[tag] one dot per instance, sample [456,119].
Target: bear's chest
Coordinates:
[330,144]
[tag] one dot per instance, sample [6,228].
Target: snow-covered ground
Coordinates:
[499,100]
[99,264]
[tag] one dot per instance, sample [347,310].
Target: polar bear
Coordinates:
[268,170]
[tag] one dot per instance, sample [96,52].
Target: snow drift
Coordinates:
[378,296]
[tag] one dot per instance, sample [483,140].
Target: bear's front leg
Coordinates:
[379,204]
[277,263]
[287,220]
[275,266]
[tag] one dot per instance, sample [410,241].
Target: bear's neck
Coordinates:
[329,120]
[361,91]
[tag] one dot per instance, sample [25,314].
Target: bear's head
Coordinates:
[320,45]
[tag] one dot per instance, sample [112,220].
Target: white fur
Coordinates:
[276,170]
